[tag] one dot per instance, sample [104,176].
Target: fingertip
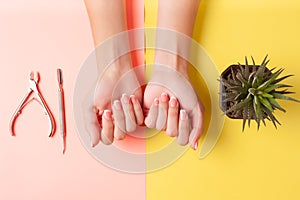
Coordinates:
[108,128]
[107,115]
[125,98]
[133,99]
[195,147]
[147,121]
[183,129]
[172,120]
[120,137]
[92,126]
[162,115]
[194,138]
[156,102]
[138,111]
[117,105]
[119,118]
[94,133]
[94,142]
[183,115]
[119,134]
[164,97]
[173,102]
[172,133]
[130,119]
[130,128]
[182,142]
[150,120]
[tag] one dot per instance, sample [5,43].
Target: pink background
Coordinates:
[42,36]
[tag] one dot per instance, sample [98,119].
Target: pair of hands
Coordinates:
[120,106]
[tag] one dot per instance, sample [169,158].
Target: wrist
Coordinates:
[163,58]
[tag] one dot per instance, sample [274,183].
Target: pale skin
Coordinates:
[180,16]
[162,109]
[107,18]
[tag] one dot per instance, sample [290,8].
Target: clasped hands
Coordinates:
[168,103]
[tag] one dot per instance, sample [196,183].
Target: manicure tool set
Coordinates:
[34,91]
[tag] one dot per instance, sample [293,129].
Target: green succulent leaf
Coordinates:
[250,114]
[263,120]
[225,82]
[273,118]
[247,70]
[276,104]
[240,77]
[265,61]
[238,89]
[250,78]
[272,69]
[266,95]
[254,82]
[253,61]
[281,79]
[234,82]
[264,85]
[233,74]
[252,91]
[229,83]
[266,103]
[285,92]
[239,97]
[261,70]
[273,87]
[283,97]
[240,105]
[245,111]
[242,69]
[258,112]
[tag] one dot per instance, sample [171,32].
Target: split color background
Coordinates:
[44,35]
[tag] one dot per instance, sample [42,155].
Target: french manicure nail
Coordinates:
[173,102]
[133,99]
[183,115]
[156,101]
[125,98]
[107,115]
[196,146]
[117,104]
[164,97]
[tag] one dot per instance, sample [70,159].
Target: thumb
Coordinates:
[91,122]
[197,124]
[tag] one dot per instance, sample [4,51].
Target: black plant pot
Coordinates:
[227,74]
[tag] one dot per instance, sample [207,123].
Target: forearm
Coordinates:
[107,18]
[179,17]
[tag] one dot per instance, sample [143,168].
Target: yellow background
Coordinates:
[255,164]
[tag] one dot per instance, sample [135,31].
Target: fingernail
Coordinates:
[164,97]
[107,114]
[196,146]
[133,99]
[156,101]
[183,115]
[117,104]
[125,98]
[173,102]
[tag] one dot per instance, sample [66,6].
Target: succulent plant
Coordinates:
[251,92]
